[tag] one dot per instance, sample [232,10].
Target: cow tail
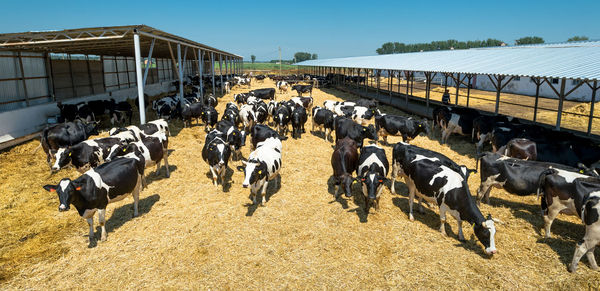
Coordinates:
[479,156]
[542,181]
[44,141]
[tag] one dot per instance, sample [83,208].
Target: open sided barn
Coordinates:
[191,234]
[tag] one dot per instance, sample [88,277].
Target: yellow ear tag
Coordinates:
[364,129]
[124,150]
[259,172]
[70,154]
[473,225]
[420,125]
[581,171]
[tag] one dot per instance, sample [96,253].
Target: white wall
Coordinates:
[24,121]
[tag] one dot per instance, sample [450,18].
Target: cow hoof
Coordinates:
[411,217]
[103,239]
[572,269]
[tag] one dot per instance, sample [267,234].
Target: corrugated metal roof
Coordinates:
[568,60]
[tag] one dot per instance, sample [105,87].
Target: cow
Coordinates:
[247,116]
[437,183]
[211,101]
[362,115]
[441,116]
[461,122]
[408,128]
[235,138]
[323,119]
[165,107]
[99,107]
[516,176]
[209,116]
[261,112]
[216,152]
[265,93]
[271,107]
[84,112]
[346,127]
[369,103]
[407,152]
[306,102]
[483,126]
[282,86]
[154,126]
[262,132]
[64,135]
[240,98]
[520,148]
[263,165]
[303,89]
[344,161]
[120,110]
[298,119]
[96,188]
[372,171]
[126,132]
[68,112]
[190,111]
[572,194]
[153,148]
[344,110]
[282,118]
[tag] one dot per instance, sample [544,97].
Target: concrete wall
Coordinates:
[24,121]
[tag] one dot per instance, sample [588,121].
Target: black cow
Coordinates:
[265,93]
[437,183]
[216,153]
[68,112]
[84,112]
[369,103]
[153,148]
[303,89]
[573,194]
[483,126]
[261,132]
[520,148]
[64,135]
[344,161]
[94,190]
[99,107]
[210,116]
[190,111]
[235,138]
[346,127]
[372,171]
[323,119]
[395,125]
[298,119]
[282,118]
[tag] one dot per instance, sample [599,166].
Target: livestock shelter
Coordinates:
[40,68]
[550,84]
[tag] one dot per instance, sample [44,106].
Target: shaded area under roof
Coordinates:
[567,60]
[110,41]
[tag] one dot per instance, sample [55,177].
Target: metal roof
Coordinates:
[568,60]
[109,41]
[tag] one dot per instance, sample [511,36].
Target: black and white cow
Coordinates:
[234,137]
[573,194]
[68,112]
[306,102]
[362,115]
[394,125]
[153,148]
[263,165]
[298,119]
[154,126]
[282,118]
[282,86]
[261,112]
[125,132]
[211,101]
[343,110]
[231,113]
[241,98]
[210,116]
[461,122]
[164,107]
[372,171]
[247,116]
[90,153]
[437,183]
[346,127]
[323,119]
[96,188]
[120,110]
[516,176]
[303,89]
[265,93]
[64,135]
[261,132]
[216,152]
[344,161]
[271,108]
[407,152]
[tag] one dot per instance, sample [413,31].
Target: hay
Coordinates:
[191,235]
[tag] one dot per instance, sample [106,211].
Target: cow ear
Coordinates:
[240,168]
[50,188]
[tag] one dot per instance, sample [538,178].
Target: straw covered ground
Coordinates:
[193,235]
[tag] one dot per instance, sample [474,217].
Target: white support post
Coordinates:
[149,64]
[221,71]
[138,76]
[179,67]
[212,70]
[201,70]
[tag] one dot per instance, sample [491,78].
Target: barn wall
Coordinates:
[12,90]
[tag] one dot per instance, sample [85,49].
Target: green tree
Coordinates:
[529,40]
[398,47]
[253,58]
[578,38]
[314,57]
[302,56]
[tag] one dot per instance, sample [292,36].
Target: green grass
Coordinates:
[267,66]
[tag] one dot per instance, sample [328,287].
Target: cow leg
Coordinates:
[421,210]
[222,174]
[166,158]
[411,197]
[214,175]
[591,258]
[585,246]
[461,236]
[102,221]
[157,168]
[394,175]
[443,209]
[136,195]
[553,211]
[90,222]
[264,193]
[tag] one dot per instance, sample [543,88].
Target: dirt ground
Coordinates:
[192,235]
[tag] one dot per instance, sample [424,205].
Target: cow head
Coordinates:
[485,232]
[372,182]
[91,128]
[122,149]
[65,191]
[370,132]
[220,152]
[63,158]
[423,126]
[254,172]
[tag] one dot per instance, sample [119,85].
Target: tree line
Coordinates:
[298,57]
[399,47]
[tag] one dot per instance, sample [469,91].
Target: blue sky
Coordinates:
[328,28]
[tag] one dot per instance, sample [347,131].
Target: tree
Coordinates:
[529,40]
[314,56]
[398,47]
[578,38]
[253,58]
[302,56]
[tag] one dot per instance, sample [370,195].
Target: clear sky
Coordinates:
[328,28]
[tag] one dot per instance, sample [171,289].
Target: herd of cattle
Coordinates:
[526,159]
